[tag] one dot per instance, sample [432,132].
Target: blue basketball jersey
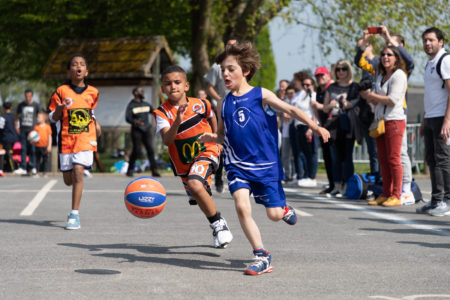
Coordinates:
[251,138]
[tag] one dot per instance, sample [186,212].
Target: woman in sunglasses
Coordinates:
[341,96]
[390,89]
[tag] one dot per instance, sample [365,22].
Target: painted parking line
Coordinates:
[34,203]
[392,217]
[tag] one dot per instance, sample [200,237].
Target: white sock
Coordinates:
[407,187]
[75,212]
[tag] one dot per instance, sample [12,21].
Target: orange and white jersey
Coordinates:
[185,149]
[76,129]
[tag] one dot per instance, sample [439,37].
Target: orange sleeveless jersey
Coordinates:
[76,129]
[185,149]
[44,131]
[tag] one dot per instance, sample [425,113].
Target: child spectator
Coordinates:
[44,145]
[72,108]
[8,136]
[180,121]
[248,130]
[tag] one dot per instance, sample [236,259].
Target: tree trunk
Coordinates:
[199,55]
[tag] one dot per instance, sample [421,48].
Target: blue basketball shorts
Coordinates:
[269,194]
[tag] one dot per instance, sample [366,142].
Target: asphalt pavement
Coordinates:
[339,249]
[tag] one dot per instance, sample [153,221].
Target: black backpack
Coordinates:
[438,67]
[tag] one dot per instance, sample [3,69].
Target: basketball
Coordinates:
[33,137]
[145,197]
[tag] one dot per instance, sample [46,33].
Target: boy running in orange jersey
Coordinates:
[72,108]
[180,121]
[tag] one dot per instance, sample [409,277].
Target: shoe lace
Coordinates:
[259,261]
[220,226]
[288,214]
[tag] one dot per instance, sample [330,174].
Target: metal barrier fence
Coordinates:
[415,148]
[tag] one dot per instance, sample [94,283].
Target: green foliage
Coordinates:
[342,21]
[266,76]
[30,31]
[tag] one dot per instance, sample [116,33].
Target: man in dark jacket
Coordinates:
[8,136]
[137,114]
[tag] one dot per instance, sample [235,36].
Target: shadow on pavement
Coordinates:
[32,222]
[233,265]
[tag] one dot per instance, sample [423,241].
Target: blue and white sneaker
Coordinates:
[289,215]
[261,263]
[73,221]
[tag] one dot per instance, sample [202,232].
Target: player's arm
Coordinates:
[213,122]
[217,137]
[168,134]
[56,107]
[269,98]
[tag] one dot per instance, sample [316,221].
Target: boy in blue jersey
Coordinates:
[248,131]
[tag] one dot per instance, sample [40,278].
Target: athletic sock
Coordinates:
[74,212]
[214,218]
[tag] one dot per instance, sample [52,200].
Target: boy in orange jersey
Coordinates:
[44,145]
[180,121]
[72,108]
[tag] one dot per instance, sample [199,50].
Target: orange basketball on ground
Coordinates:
[145,197]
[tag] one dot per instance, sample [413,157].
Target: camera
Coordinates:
[365,84]
[374,30]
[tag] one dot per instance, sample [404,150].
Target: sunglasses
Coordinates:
[387,54]
[307,84]
[341,69]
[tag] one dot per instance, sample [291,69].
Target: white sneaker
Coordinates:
[300,182]
[87,174]
[221,234]
[33,172]
[308,182]
[20,171]
[407,198]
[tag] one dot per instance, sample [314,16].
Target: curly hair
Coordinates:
[246,56]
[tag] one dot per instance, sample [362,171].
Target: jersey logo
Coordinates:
[79,120]
[241,116]
[198,108]
[68,102]
[188,149]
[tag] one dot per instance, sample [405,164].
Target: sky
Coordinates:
[296,47]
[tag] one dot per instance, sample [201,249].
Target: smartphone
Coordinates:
[374,30]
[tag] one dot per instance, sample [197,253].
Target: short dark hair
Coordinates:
[291,86]
[246,56]
[69,62]
[173,69]
[439,34]
[400,38]
[7,105]
[399,64]
[28,91]
[313,82]
[300,76]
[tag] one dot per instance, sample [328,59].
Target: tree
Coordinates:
[31,29]
[341,21]
[267,75]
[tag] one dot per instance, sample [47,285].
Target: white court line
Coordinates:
[31,207]
[381,215]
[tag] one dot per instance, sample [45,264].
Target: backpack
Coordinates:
[438,67]
[358,185]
